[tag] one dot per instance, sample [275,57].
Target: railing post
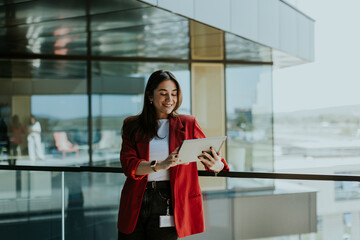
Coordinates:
[63,205]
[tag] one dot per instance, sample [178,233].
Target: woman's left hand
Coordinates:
[212,161]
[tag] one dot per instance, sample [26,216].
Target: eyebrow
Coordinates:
[166,89]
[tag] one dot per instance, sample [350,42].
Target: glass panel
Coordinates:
[288,212]
[118,93]
[249,122]
[143,32]
[60,37]
[5,2]
[33,200]
[55,93]
[131,18]
[30,205]
[38,11]
[105,6]
[337,208]
[65,128]
[124,28]
[293,210]
[238,48]
[345,191]
[92,204]
[207,43]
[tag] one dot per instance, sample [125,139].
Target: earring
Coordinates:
[150,102]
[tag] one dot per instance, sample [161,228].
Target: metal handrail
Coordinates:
[231,174]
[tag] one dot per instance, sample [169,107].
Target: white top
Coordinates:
[159,150]
[36,127]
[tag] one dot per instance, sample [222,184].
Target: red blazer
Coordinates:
[185,188]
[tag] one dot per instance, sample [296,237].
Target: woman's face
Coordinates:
[164,98]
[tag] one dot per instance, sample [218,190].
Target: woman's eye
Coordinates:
[174,95]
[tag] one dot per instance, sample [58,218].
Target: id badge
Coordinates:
[167,221]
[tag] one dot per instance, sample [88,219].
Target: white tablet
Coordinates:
[191,149]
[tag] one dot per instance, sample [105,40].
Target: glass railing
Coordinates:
[82,203]
[59,205]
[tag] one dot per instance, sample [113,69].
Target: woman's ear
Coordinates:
[151,98]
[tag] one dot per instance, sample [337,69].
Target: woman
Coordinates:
[34,140]
[161,198]
[17,131]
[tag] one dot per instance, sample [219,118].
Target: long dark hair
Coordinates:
[144,127]
[15,121]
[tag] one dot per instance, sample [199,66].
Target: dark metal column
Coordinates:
[89,78]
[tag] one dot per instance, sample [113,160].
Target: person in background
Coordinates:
[161,198]
[34,140]
[16,130]
[4,138]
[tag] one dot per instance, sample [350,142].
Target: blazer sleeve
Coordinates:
[129,158]
[198,133]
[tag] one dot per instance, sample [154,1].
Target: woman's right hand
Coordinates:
[171,161]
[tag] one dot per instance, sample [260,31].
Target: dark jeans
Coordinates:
[13,154]
[154,205]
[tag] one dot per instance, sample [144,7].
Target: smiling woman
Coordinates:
[170,205]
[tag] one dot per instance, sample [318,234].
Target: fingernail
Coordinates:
[203,152]
[199,157]
[179,160]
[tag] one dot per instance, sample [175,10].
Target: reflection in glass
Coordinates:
[54,92]
[34,204]
[47,38]
[34,140]
[105,6]
[133,17]
[40,11]
[249,119]
[34,210]
[91,205]
[124,28]
[16,133]
[65,131]
[238,48]
[143,32]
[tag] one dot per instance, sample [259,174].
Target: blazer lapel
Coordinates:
[176,133]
